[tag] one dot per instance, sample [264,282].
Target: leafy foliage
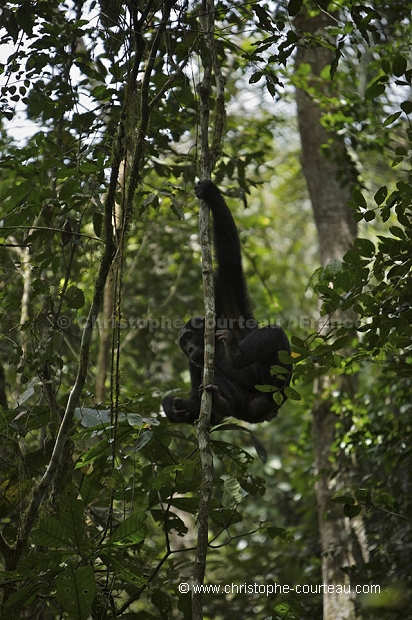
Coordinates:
[114,537]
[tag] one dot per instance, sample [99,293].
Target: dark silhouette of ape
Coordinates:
[244,353]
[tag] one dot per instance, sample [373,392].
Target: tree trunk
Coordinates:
[329,175]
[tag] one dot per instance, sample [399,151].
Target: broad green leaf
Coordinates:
[380,195]
[281,532]
[232,493]
[399,65]
[74,298]
[72,518]
[397,232]
[364,496]
[260,448]
[294,7]
[343,499]
[369,216]
[391,119]
[131,531]
[279,370]
[97,224]
[263,16]
[285,357]
[95,452]
[51,533]
[142,440]
[365,247]
[75,591]
[351,511]
[406,106]
[334,266]
[374,90]
[341,342]
[93,417]
[292,394]
[126,570]
[267,389]
[359,198]
[19,599]
[255,77]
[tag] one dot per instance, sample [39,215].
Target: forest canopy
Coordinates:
[110,114]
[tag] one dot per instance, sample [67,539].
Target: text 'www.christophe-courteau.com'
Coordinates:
[277,588]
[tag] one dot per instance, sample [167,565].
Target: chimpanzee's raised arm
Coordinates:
[231,294]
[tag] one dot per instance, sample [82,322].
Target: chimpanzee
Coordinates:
[244,353]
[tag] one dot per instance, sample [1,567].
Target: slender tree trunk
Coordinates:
[106,338]
[328,175]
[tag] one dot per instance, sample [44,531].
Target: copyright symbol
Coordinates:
[183,588]
[63,321]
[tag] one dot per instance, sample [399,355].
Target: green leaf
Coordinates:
[97,224]
[255,77]
[279,370]
[232,493]
[334,266]
[340,342]
[74,298]
[363,496]
[406,106]
[399,65]
[381,195]
[292,394]
[298,342]
[260,448]
[369,216]
[386,67]
[9,22]
[142,440]
[21,598]
[49,560]
[351,511]
[374,90]
[72,518]
[93,417]
[358,198]
[391,119]
[358,217]
[92,454]
[294,7]
[397,232]
[343,499]
[285,357]
[122,569]
[51,534]
[101,449]
[266,389]
[405,188]
[135,419]
[387,500]
[187,504]
[131,531]
[280,532]
[75,591]
[365,247]
[264,17]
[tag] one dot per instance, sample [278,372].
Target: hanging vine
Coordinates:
[209,156]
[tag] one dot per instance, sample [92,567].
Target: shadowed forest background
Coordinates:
[101,266]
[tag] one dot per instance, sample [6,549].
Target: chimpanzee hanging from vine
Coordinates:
[244,353]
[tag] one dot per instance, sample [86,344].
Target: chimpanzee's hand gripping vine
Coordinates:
[244,353]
